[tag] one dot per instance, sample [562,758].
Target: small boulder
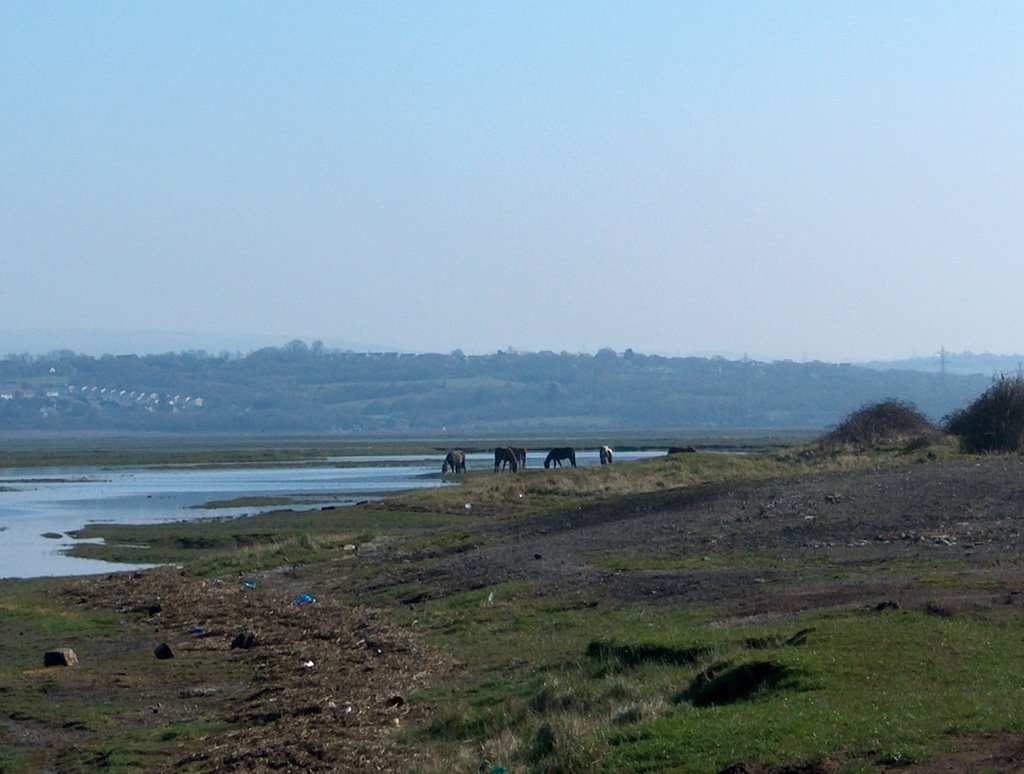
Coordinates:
[60,657]
[163,651]
[244,640]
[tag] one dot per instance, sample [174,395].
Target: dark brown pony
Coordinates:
[562,453]
[505,456]
[455,461]
[520,455]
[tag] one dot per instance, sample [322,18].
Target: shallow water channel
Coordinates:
[39,507]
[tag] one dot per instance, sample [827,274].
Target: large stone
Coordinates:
[60,657]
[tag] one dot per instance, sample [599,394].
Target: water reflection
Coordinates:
[36,505]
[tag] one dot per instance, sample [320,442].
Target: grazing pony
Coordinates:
[455,461]
[505,456]
[606,455]
[520,455]
[557,455]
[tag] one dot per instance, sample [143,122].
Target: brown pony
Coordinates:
[562,453]
[455,461]
[503,456]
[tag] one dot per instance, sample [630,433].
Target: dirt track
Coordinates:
[805,544]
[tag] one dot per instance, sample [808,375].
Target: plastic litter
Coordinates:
[250,584]
[197,630]
[305,599]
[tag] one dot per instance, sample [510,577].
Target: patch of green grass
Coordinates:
[442,542]
[34,618]
[556,689]
[632,563]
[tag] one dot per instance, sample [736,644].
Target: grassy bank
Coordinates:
[552,689]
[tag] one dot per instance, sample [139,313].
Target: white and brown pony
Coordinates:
[455,461]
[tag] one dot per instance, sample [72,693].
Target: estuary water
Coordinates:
[39,507]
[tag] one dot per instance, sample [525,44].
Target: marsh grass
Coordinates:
[553,689]
[254,542]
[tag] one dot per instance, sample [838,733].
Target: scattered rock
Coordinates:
[163,651]
[200,692]
[60,657]
[244,640]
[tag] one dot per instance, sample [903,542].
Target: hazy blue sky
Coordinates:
[805,180]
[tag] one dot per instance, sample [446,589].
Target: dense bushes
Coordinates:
[889,421]
[995,421]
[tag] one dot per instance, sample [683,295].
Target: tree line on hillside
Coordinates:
[300,388]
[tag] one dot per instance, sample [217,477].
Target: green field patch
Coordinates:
[682,696]
[34,618]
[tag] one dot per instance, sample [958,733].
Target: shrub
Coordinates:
[995,421]
[888,421]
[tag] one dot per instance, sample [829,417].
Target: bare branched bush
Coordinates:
[995,421]
[889,421]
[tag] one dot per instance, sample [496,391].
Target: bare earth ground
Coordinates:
[332,678]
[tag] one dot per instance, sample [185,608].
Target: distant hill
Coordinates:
[300,388]
[955,363]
